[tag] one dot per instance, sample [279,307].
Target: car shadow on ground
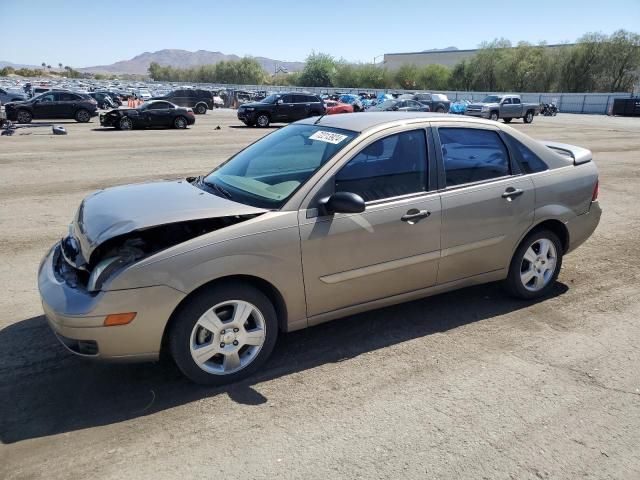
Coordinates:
[44,390]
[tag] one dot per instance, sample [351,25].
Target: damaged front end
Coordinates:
[117,227]
[124,250]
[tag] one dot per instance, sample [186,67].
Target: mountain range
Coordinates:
[183,59]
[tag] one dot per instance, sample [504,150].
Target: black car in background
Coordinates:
[199,100]
[437,102]
[54,104]
[401,105]
[281,108]
[104,100]
[154,113]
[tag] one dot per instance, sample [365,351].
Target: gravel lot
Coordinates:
[470,384]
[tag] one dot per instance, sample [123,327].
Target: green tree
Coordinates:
[318,71]
[434,77]
[407,76]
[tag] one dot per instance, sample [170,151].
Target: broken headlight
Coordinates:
[104,269]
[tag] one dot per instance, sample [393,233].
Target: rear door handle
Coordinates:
[414,215]
[511,193]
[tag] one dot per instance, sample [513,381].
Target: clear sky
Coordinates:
[83,33]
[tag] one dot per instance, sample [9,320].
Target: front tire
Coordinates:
[494,116]
[263,120]
[82,116]
[223,334]
[125,123]
[535,265]
[24,116]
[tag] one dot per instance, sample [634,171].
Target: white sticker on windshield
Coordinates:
[328,137]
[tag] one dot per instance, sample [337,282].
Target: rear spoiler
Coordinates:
[579,155]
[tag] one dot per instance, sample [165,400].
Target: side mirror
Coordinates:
[342,202]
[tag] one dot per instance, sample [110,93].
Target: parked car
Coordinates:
[199,100]
[155,113]
[334,107]
[506,107]
[437,102]
[115,97]
[354,100]
[104,101]
[380,208]
[143,94]
[281,108]
[399,105]
[9,96]
[54,104]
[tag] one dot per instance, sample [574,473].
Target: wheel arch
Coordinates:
[267,288]
[555,226]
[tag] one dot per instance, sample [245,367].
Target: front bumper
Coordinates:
[77,316]
[478,114]
[246,116]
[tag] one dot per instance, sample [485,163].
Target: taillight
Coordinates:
[594,197]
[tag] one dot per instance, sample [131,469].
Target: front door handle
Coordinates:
[414,215]
[511,193]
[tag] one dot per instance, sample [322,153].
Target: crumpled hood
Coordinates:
[116,211]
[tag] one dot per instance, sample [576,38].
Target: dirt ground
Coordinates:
[470,384]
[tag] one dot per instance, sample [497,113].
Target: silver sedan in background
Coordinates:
[324,218]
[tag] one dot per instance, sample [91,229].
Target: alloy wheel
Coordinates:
[23,117]
[227,337]
[538,265]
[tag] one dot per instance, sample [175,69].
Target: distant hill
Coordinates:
[183,59]
[4,63]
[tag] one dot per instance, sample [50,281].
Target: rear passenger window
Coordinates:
[516,101]
[529,161]
[472,155]
[390,167]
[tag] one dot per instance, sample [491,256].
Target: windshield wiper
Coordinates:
[217,188]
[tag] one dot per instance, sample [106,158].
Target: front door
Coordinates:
[46,106]
[284,109]
[393,246]
[486,205]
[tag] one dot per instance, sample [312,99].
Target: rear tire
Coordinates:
[205,322]
[535,266]
[528,118]
[24,116]
[200,109]
[82,116]
[180,123]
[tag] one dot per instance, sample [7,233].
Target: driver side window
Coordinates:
[390,167]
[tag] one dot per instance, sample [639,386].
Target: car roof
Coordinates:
[361,121]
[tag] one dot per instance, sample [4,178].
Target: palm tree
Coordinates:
[60,66]
[44,64]
[49,67]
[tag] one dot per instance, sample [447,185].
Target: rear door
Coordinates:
[301,107]
[67,103]
[487,204]
[508,109]
[389,249]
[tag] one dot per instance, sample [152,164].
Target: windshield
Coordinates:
[492,99]
[270,99]
[268,172]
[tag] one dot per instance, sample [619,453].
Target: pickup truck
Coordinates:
[506,107]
